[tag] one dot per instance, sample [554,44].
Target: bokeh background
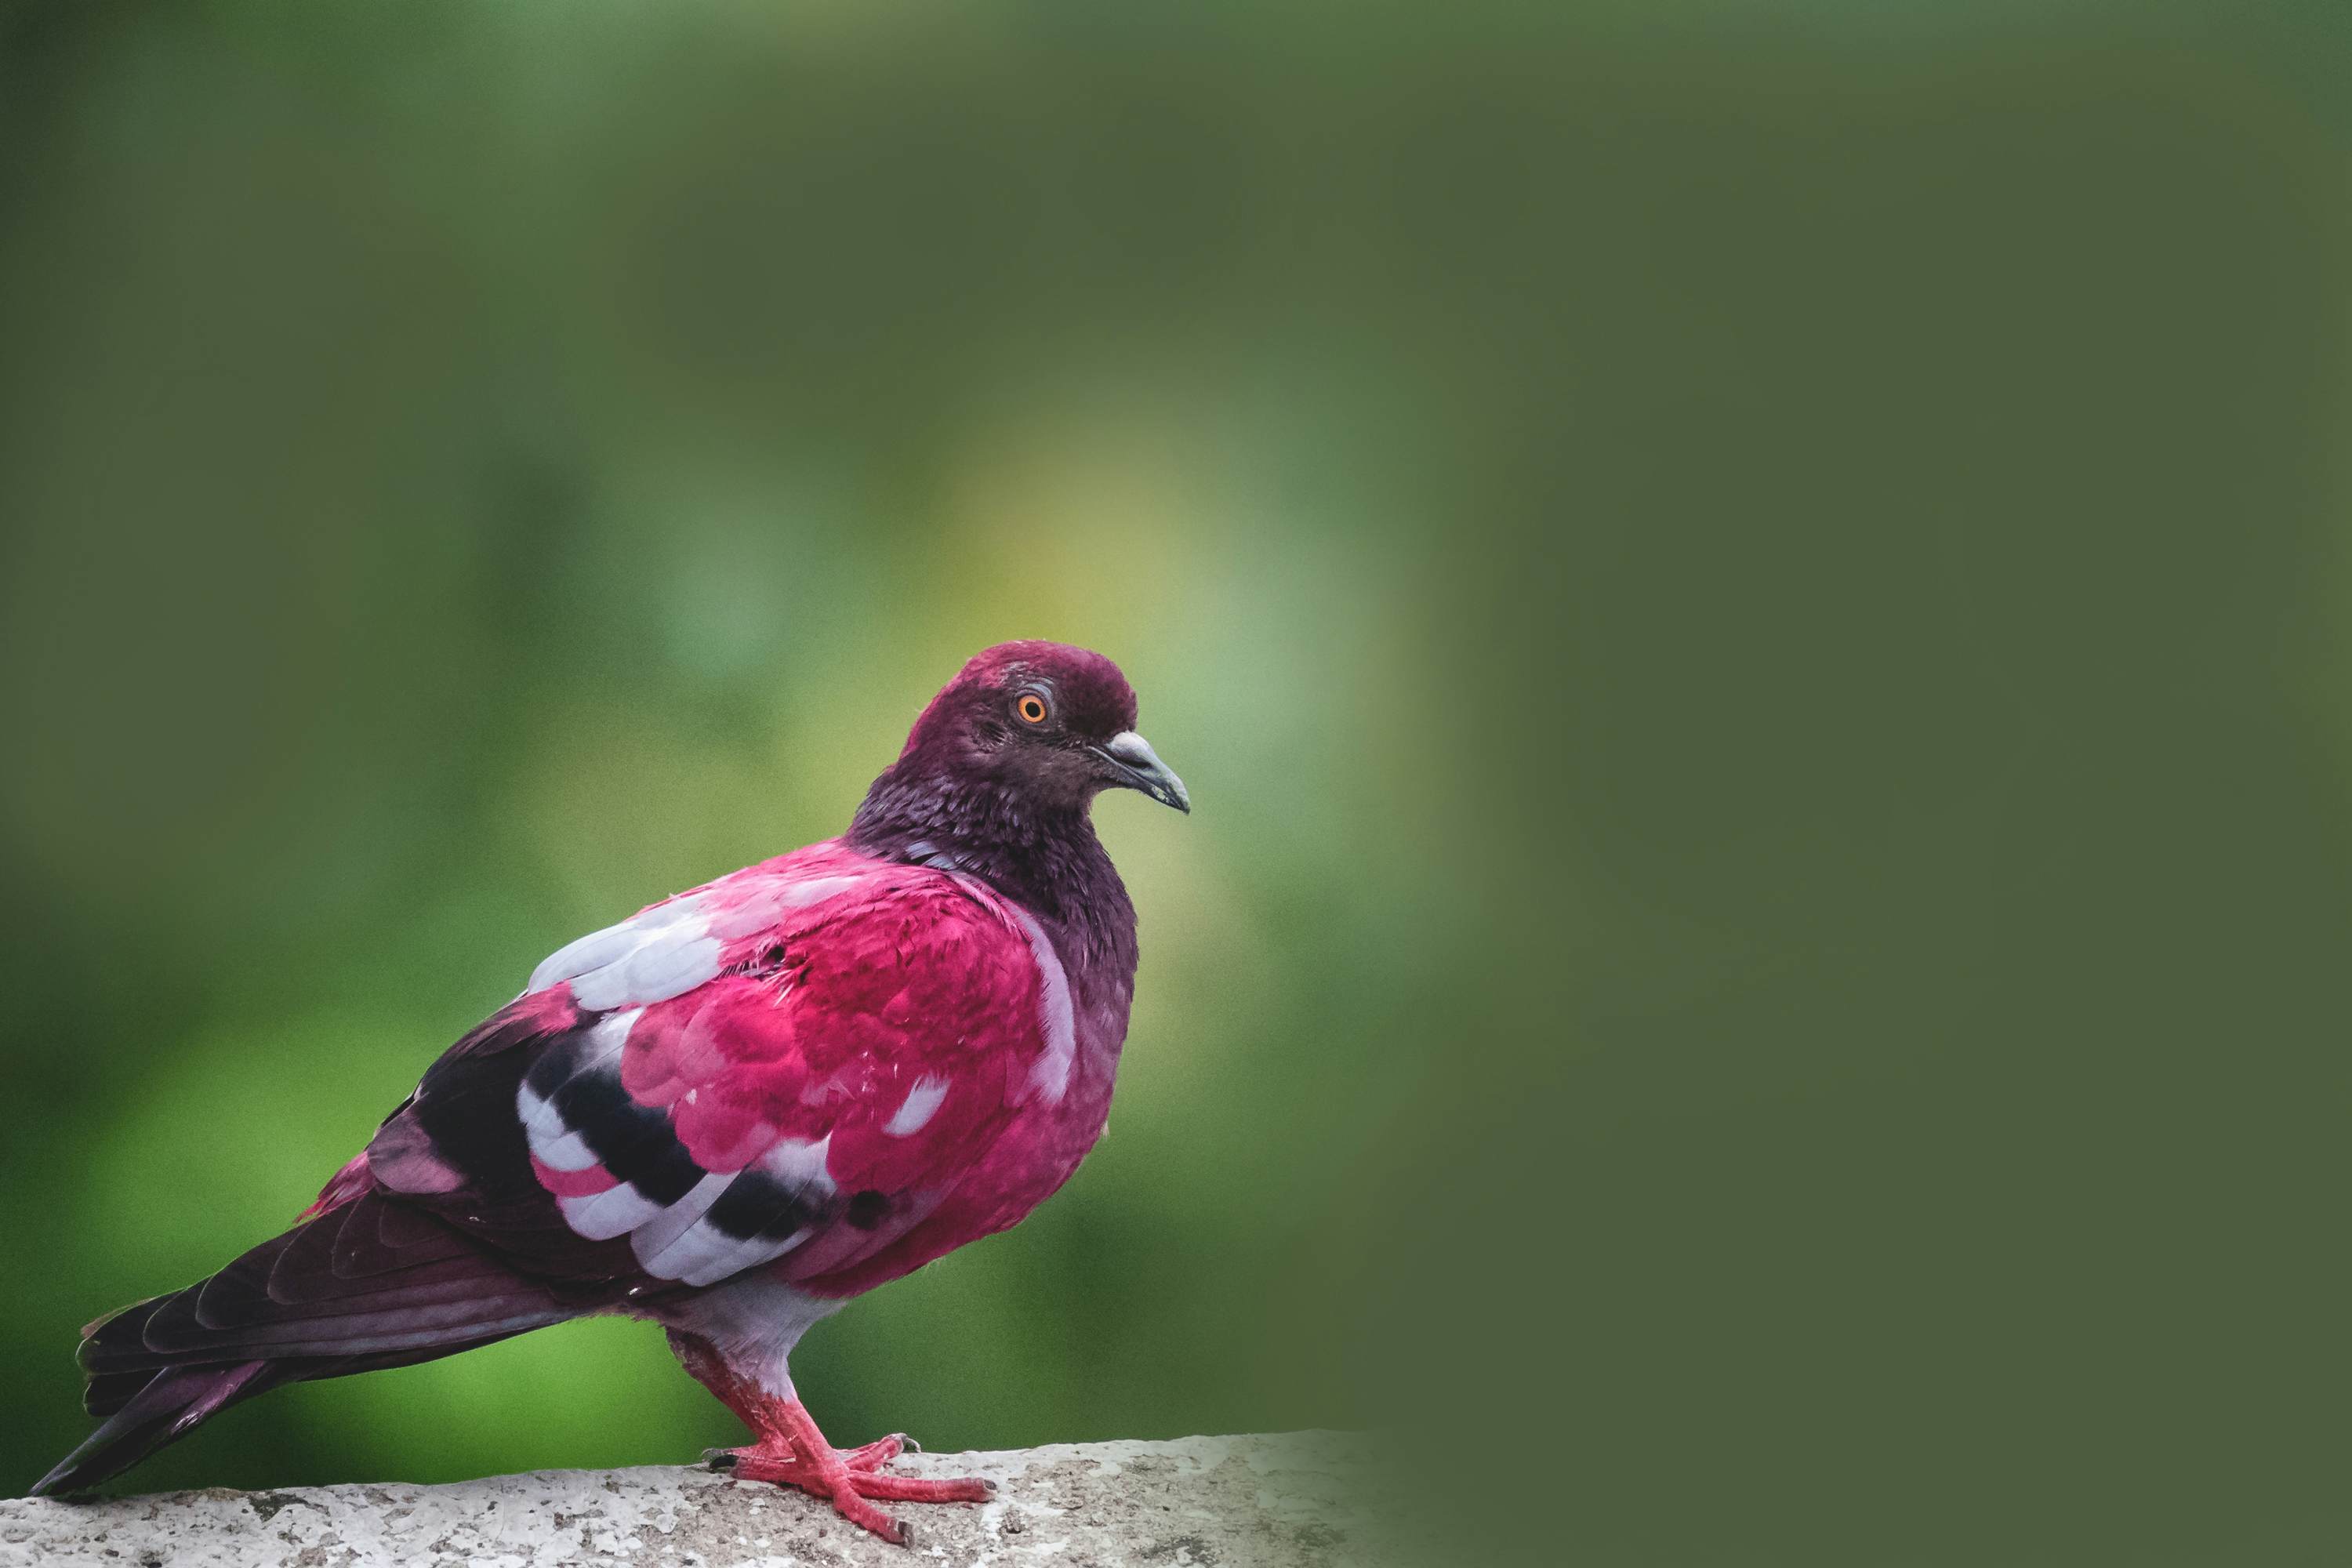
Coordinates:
[1756,598]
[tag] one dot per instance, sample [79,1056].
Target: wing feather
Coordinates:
[795,1059]
[872,1028]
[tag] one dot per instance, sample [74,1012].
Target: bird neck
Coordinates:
[1047,860]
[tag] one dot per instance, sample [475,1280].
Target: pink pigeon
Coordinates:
[731,1112]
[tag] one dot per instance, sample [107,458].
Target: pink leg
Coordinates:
[791,1452]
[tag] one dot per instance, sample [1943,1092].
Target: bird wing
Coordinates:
[800,1058]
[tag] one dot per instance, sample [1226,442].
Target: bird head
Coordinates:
[1049,725]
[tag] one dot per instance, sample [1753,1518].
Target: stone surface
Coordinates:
[1281,1502]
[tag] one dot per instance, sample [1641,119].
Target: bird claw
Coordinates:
[718,1459]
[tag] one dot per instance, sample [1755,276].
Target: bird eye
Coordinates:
[1032,708]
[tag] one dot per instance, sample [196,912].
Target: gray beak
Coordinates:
[1135,766]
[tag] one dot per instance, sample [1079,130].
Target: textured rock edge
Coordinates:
[1284,1498]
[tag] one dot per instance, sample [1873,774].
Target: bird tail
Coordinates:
[166,1405]
[370,1284]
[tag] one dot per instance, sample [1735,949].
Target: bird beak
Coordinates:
[1135,766]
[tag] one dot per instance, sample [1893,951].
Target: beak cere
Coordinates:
[1135,766]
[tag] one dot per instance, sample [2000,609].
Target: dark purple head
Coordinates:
[1027,733]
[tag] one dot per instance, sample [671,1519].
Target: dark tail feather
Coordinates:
[370,1285]
[171,1403]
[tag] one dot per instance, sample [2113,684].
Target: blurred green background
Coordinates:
[1755,598]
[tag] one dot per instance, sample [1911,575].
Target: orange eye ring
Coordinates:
[1032,708]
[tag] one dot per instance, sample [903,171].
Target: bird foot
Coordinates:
[791,1452]
[848,1478]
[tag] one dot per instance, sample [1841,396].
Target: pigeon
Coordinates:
[731,1112]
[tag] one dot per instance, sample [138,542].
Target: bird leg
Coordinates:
[791,1452]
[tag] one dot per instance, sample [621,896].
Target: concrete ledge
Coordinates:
[1277,1501]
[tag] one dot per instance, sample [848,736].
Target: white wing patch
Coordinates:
[759,911]
[553,1144]
[922,1102]
[727,1222]
[616,1211]
[671,948]
[650,957]
[661,1235]
[689,1245]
